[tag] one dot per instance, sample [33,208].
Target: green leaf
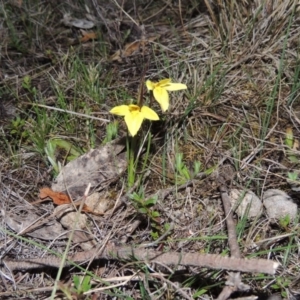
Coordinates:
[293,176]
[275,286]
[197,166]
[143,210]
[26,84]
[185,173]
[76,280]
[199,293]
[154,235]
[67,146]
[285,221]
[83,286]
[289,138]
[155,214]
[293,159]
[150,202]
[86,283]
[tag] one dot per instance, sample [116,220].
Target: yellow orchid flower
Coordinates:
[134,116]
[160,91]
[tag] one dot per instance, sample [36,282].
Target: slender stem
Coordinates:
[131,146]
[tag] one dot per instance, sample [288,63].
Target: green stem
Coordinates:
[131,146]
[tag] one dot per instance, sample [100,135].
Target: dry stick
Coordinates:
[233,245]
[232,241]
[234,282]
[112,251]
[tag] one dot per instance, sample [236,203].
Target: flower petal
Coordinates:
[175,87]
[121,110]
[162,97]
[134,121]
[164,82]
[150,85]
[149,113]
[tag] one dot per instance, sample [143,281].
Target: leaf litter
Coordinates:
[99,168]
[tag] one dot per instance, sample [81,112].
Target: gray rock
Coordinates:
[278,204]
[249,200]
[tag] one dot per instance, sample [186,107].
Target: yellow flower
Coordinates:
[160,91]
[134,116]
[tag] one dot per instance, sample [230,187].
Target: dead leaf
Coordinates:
[130,49]
[87,36]
[17,3]
[69,21]
[48,231]
[57,197]
[99,167]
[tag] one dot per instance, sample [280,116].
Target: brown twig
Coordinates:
[232,241]
[234,282]
[169,258]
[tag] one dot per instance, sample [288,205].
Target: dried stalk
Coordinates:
[234,282]
[169,258]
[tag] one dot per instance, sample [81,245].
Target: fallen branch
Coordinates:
[169,258]
[234,281]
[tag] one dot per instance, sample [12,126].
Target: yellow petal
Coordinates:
[164,82]
[134,121]
[175,87]
[121,110]
[149,113]
[150,85]
[162,97]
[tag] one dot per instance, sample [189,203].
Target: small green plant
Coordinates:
[285,221]
[293,176]
[289,142]
[197,167]
[181,168]
[111,132]
[26,84]
[293,180]
[17,128]
[145,207]
[52,148]
[82,284]
[183,172]
[281,285]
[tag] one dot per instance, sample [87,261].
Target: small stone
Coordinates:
[249,199]
[70,218]
[99,202]
[278,204]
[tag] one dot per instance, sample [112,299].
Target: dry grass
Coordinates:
[240,63]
